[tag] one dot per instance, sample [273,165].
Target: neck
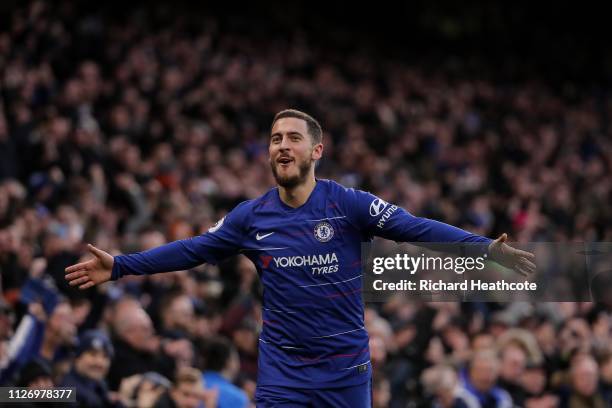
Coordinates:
[298,195]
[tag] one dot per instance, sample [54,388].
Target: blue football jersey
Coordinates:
[309,261]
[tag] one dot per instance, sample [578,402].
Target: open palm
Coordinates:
[92,272]
[518,260]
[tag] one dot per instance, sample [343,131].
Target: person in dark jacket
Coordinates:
[584,380]
[35,374]
[93,357]
[137,347]
[605,374]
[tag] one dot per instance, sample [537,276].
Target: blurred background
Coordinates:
[132,125]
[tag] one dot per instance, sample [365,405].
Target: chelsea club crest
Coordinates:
[323,231]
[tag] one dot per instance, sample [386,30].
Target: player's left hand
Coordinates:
[518,260]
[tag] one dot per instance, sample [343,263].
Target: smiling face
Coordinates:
[292,152]
[93,364]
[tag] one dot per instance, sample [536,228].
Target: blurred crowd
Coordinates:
[134,131]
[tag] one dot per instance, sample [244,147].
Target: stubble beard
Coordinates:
[291,181]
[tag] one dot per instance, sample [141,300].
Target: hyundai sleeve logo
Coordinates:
[377,206]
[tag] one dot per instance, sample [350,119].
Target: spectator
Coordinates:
[137,349]
[41,336]
[605,373]
[535,384]
[35,374]
[187,392]
[60,332]
[512,367]
[222,366]
[6,320]
[89,369]
[481,382]
[442,385]
[245,340]
[584,382]
[381,392]
[177,314]
[25,344]
[143,390]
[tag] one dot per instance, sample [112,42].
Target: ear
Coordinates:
[317,151]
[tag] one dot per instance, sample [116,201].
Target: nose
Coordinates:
[284,144]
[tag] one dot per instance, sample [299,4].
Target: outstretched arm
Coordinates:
[221,241]
[175,256]
[408,228]
[392,222]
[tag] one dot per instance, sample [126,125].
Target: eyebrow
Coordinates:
[293,132]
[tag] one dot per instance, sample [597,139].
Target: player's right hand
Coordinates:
[89,273]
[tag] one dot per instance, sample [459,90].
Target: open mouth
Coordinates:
[284,161]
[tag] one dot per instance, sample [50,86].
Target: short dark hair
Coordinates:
[314,128]
[32,371]
[217,352]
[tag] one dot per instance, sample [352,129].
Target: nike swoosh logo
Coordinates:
[260,237]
